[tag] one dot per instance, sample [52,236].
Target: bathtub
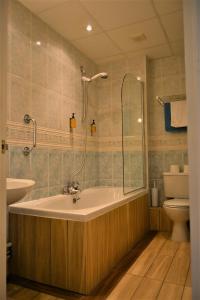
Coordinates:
[74,246]
[93,203]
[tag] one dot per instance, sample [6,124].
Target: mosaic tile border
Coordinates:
[20,134]
[172,142]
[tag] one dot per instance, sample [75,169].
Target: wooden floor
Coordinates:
[157,268]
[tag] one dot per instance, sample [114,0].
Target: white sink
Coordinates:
[17,189]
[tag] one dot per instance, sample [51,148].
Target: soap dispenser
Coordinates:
[93,128]
[72,121]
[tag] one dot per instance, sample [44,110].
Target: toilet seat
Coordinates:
[176,203]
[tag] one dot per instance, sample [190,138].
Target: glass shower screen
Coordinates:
[133,139]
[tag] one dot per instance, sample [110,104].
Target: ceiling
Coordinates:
[121,28]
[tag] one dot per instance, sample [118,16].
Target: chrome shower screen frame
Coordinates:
[133,134]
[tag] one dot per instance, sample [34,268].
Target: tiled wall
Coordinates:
[166,77]
[45,81]
[110,123]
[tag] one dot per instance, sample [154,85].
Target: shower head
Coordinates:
[102,75]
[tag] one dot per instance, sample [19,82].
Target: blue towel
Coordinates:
[168,127]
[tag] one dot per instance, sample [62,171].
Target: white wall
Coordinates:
[3,24]
[192,57]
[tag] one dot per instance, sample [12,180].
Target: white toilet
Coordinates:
[176,204]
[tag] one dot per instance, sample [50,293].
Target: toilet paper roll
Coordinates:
[154,197]
[174,169]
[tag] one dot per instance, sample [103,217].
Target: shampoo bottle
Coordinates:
[72,121]
[93,128]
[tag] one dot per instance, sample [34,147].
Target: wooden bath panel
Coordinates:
[75,255]
[31,243]
[159,221]
[59,253]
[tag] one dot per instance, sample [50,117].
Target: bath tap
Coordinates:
[76,198]
[73,188]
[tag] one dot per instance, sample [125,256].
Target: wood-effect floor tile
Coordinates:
[189,279]
[43,296]
[160,267]
[143,263]
[24,294]
[12,289]
[187,293]
[148,289]
[170,248]
[125,288]
[178,270]
[163,267]
[170,291]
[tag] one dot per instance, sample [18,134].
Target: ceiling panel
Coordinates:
[154,52]
[152,30]
[115,24]
[97,46]
[173,24]
[38,6]
[116,13]
[110,58]
[167,6]
[70,19]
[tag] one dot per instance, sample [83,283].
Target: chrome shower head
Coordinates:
[102,75]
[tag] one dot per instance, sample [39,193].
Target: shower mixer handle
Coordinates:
[76,185]
[72,188]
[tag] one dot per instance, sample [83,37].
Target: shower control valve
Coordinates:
[76,185]
[72,188]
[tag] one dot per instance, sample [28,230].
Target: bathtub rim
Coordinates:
[82,215]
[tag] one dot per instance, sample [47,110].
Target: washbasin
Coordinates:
[17,189]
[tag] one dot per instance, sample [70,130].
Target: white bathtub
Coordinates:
[93,202]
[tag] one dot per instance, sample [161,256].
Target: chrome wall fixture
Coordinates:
[27,120]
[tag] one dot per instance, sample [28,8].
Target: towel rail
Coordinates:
[166,99]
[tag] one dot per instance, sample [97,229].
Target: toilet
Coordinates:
[176,204]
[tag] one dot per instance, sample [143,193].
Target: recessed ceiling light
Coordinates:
[139,120]
[138,78]
[89,27]
[38,43]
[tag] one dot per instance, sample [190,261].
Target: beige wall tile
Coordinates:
[19,97]
[45,81]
